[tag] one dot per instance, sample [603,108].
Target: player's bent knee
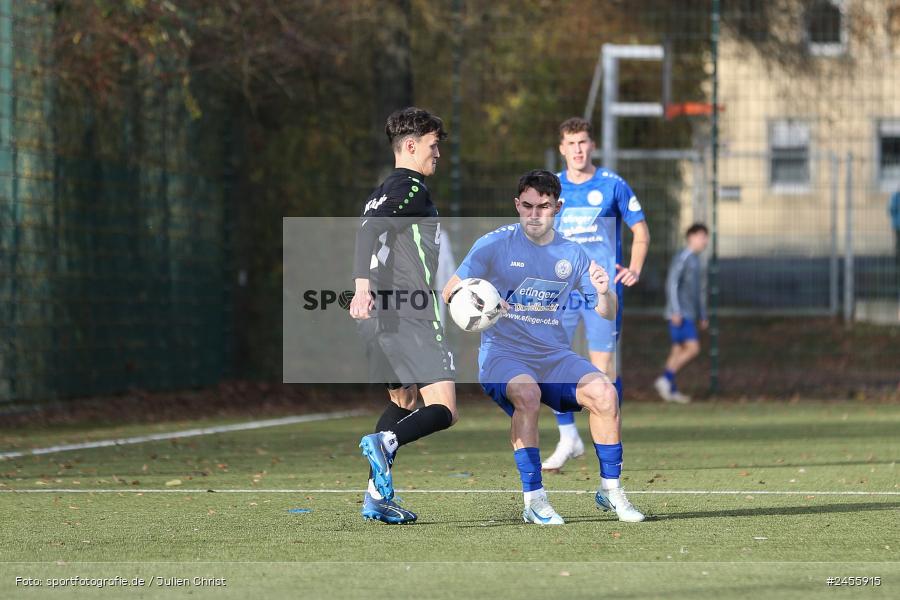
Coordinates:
[599,397]
[443,393]
[524,396]
[606,401]
[405,397]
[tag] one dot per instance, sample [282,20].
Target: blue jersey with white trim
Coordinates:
[536,281]
[592,213]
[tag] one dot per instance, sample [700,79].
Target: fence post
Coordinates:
[9,361]
[456,111]
[610,90]
[698,173]
[550,159]
[848,246]
[713,272]
[833,261]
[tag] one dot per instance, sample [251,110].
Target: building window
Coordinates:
[730,193]
[789,150]
[826,28]
[888,151]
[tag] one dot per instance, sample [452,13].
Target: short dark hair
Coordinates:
[412,121]
[543,182]
[696,228]
[575,125]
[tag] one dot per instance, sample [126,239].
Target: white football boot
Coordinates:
[664,388]
[615,499]
[566,448]
[679,398]
[540,512]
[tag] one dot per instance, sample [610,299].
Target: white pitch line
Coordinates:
[140,439]
[360,491]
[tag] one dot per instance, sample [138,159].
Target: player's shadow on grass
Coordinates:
[707,514]
[780,511]
[759,432]
[773,465]
[477,523]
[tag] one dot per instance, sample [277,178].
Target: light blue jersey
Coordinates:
[592,214]
[536,281]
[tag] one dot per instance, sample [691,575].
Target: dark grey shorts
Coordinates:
[404,352]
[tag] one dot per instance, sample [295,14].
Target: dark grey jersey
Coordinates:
[398,244]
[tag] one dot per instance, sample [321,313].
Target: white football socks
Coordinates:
[609,484]
[529,496]
[568,431]
[389,441]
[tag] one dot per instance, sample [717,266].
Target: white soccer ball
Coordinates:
[475,304]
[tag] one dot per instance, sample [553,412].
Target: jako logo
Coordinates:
[517,263]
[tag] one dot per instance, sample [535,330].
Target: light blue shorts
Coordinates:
[601,333]
[557,375]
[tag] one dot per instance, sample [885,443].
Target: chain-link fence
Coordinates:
[113,229]
[140,239]
[823,246]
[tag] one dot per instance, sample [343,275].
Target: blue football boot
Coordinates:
[380,461]
[386,511]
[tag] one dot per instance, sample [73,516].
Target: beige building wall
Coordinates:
[842,97]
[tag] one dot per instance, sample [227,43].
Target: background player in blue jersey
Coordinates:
[525,359]
[595,202]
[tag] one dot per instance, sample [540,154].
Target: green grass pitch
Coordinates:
[781,497]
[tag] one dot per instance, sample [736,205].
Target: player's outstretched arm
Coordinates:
[366,236]
[640,246]
[607,303]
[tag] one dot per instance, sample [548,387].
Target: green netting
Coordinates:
[112,234]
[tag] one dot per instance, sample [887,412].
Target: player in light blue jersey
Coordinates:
[525,359]
[595,203]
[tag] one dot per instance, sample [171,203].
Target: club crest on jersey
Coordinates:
[634,205]
[595,197]
[563,268]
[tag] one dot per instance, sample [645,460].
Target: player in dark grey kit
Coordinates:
[395,263]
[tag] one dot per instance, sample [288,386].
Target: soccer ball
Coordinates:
[475,304]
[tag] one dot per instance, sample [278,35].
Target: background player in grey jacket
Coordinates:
[685,309]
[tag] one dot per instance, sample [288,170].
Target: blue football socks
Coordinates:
[564,418]
[528,461]
[610,457]
[670,375]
